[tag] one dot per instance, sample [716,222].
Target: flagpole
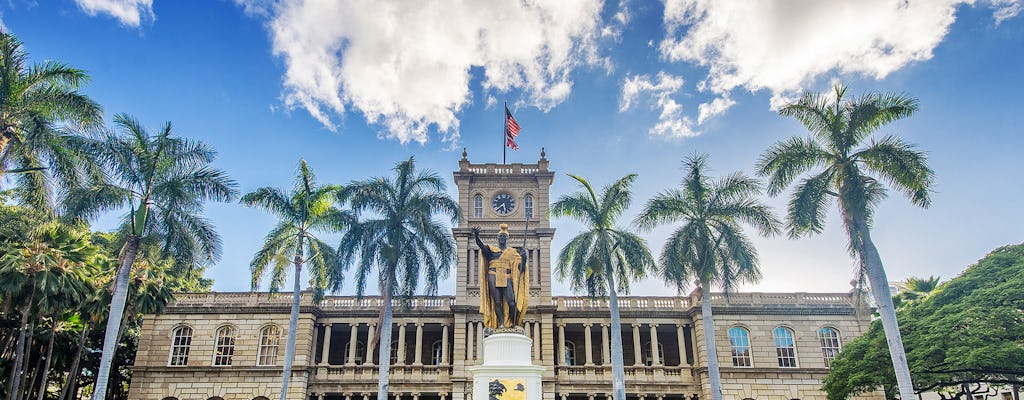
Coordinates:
[504,133]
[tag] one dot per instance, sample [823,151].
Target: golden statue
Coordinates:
[505,291]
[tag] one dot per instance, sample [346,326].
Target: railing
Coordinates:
[351,373]
[791,299]
[251,299]
[505,169]
[626,303]
[604,372]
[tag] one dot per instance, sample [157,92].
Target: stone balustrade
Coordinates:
[505,169]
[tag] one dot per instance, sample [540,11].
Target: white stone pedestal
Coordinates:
[507,361]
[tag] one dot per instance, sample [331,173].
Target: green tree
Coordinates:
[604,259]
[44,274]
[34,100]
[853,176]
[303,213]
[709,245]
[966,334]
[398,236]
[163,182]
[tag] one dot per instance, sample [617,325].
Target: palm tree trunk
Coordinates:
[384,358]
[117,303]
[46,368]
[710,344]
[72,380]
[618,371]
[883,300]
[30,379]
[293,323]
[19,352]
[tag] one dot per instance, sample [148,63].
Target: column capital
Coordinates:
[637,324]
[419,324]
[401,324]
[587,325]
[653,325]
[606,324]
[560,324]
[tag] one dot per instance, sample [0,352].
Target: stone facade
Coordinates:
[662,337]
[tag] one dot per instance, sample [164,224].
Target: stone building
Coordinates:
[230,346]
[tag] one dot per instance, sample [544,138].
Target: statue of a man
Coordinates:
[504,291]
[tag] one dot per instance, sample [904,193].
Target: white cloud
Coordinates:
[785,46]
[406,65]
[671,122]
[129,12]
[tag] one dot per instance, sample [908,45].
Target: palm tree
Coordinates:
[163,182]
[604,259]
[709,245]
[307,210]
[401,239]
[847,169]
[34,99]
[44,274]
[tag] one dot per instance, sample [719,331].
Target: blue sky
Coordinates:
[608,88]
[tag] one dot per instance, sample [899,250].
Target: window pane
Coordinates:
[270,338]
[739,339]
[478,206]
[830,345]
[785,349]
[181,340]
[528,205]
[224,346]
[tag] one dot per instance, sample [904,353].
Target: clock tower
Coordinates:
[492,194]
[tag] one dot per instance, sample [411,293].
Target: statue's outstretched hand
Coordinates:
[476,231]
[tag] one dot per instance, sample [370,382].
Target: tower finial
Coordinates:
[463,153]
[543,155]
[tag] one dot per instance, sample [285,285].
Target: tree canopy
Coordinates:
[967,334]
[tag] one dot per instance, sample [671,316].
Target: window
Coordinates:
[394,353]
[478,206]
[649,358]
[570,353]
[785,349]
[435,354]
[181,340]
[270,338]
[360,350]
[830,345]
[528,206]
[739,339]
[224,345]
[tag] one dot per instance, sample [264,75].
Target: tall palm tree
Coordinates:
[709,246]
[34,100]
[400,239]
[307,210]
[848,166]
[163,182]
[604,259]
[44,274]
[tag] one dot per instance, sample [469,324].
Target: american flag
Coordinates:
[511,130]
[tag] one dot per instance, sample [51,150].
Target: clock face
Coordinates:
[503,204]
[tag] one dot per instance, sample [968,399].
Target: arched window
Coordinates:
[478,205]
[830,345]
[270,339]
[394,353]
[528,206]
[360,350]
[649,358]
[181,340]
[224,346]
[739,339]
[570,353]
[435,353]
[785,348]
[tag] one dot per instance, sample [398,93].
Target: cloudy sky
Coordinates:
[607,88]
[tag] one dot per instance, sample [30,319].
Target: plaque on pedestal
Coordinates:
[507,372]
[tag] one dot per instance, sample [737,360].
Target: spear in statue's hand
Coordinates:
[526,230]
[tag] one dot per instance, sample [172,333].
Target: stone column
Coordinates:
[536,341]
[606,345]
[561,345]
[353,336]
[444,346]
[588,343]
[470,331]
[325,358]
[480,341]
[401,345]
[637,355]
[682,345]
[417,359]
[655,354]
[369,350]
